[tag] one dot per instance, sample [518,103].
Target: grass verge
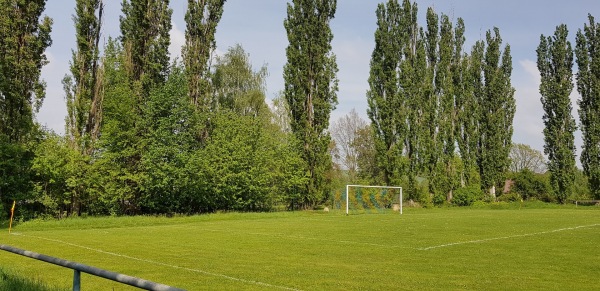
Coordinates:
[12,282]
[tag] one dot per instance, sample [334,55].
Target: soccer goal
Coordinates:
[367,197]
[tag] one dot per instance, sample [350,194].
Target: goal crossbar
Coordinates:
[369,186]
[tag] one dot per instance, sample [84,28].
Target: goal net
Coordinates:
[370,199]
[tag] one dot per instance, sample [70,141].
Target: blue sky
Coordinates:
[258,26]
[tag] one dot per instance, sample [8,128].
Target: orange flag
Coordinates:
[12,212]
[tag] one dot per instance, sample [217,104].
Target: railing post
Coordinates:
[76,280]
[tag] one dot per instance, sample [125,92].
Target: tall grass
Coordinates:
[12,282]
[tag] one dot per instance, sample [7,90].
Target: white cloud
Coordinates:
[528,122]
[530,67]
[53,111]
[353,58]
[528,125]
[177,41]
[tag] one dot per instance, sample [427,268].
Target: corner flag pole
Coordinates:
[12,212]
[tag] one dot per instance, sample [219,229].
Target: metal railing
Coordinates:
[78,268]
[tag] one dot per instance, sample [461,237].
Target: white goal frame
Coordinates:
[368,186]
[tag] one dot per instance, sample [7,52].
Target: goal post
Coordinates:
[370,186]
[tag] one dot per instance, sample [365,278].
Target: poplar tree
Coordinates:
[145,27]
[466,74]
[120,140]
[587,51]
[555,63]
[444,90]
[415,89]
[417,129]
[84,86]
[430,146]
[382,96]
[413,96]
[497,106]
[397,74]
[201,19]
[133,69]
[311,87]
[84,94]
[24,37]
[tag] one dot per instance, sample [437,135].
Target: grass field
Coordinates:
[423,249]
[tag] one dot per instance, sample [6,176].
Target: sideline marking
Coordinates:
[162,264]
[507,237]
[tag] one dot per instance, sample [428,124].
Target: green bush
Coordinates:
[466,196]
[581,189]
[439,199]
[531,185]
[510,197]
[422,195]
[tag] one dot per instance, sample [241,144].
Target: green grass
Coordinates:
[514,247]
[13,282]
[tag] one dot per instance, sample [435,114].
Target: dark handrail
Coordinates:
[121,278]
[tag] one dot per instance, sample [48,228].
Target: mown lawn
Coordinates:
[423,249]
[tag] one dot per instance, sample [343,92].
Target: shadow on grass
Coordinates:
[11,282]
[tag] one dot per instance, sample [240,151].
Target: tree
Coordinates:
[588,82]
[83,87]
[429,135]
[522,157]
[395,39]
[422,104]
[169,141]
[532,185]
[497,113]
[311,87]
[132,70]
[281,113]
[445,94]
[15,174]
[417,80]
[236,86]
[145,27]
[246,165]
[364,145]
[24,37]
[468,86]
[59,170]
[119,163]
[201,19]
[555,63]
[344,132]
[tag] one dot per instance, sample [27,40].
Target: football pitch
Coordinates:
[423,249]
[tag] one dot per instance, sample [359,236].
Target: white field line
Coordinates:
[164,264]
[507,237]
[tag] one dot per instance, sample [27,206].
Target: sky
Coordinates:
[257,25]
